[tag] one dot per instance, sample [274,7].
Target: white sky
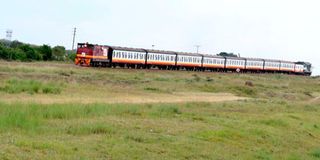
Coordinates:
[274,29]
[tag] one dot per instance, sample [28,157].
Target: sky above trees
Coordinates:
[273,29]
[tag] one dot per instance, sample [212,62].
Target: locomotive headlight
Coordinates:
[83,54]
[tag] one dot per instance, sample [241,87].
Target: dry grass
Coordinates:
[105,113]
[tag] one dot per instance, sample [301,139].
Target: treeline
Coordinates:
[15,50]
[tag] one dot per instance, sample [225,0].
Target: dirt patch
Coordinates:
[179,97]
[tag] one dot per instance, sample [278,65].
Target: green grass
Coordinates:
[14,86]
[316,153]
[59,111]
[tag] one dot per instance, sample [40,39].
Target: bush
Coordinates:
[58,53]
[3,52]
[18,54]
[72,56]
[30,52]
[46,52]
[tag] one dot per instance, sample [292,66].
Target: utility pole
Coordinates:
[74,37]
[198,46]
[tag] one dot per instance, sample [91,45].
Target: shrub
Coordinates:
[30,52]
[72,56]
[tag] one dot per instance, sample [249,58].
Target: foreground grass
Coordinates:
[254,129]
[43,114]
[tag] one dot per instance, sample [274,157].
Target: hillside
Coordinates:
[54,110]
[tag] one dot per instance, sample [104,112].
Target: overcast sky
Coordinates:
[274,29]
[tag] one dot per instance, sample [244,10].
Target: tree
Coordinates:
[30,52]
[46,52]
[16,44]
[225,54]
[18,54]
[3,52]
[58,53]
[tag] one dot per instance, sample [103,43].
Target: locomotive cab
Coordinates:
[93,55]
[84,54]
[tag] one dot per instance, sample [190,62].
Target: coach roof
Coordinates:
[160,51]
[127,49]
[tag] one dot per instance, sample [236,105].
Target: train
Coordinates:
[94,55]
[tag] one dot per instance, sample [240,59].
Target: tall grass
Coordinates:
[14,86]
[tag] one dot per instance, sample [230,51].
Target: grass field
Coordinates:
[61,111]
